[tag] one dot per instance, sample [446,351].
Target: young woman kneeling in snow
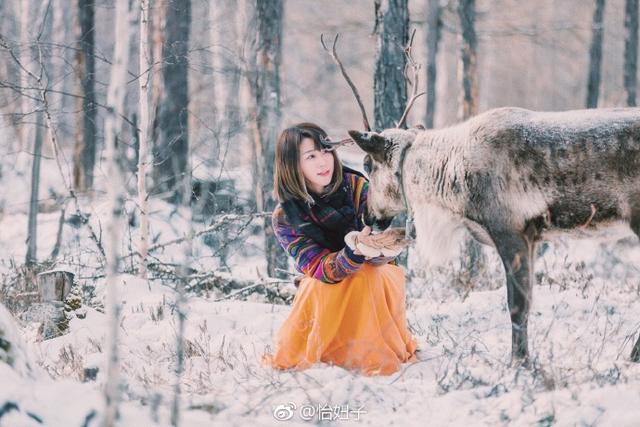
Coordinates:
[349,309]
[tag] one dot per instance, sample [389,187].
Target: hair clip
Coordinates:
[332,145]
[328,144]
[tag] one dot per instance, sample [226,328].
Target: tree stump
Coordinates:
[53,287]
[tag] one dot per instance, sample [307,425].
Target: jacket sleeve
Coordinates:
[361,192]
[311,258]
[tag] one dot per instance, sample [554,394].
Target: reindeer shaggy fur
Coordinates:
[509,175]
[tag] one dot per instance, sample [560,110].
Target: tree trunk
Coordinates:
[156,29]
[32,235]
[24,7]
[172,144]
[115,102]
[631,51]
[224,37]
[265,91]
[468,59]
[181,305]
[389,84]
[85,150]
[37,129]
[595,55]
[434,25]
[56,67]
[472,252]
[55,285]
[143,149]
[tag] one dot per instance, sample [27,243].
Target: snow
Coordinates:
[584,320]
[580,372]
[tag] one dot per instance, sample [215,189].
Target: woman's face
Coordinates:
[316,166]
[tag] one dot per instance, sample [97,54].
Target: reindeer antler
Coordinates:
[332,145]
[416,68]
[334,55]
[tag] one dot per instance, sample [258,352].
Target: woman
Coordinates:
[350,308]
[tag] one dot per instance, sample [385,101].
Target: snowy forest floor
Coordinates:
[584,320]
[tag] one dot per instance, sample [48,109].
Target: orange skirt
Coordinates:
[358,324]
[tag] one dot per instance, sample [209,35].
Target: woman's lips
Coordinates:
[325,173]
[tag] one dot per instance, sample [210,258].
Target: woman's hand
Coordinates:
[387,243]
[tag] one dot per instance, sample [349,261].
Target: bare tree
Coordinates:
[631,51]
[31,104]
[32,235]
[85,146]
[37,146]
[143,150]
[595,55]
[171,127]
[389,83]
[468,107]
[115,102]
[25,58]
[264,84]
[434,25]
[224,37]
[181,301]
[468,59]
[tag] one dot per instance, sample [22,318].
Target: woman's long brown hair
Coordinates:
[288,180]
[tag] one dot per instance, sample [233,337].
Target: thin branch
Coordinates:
[54,143]
[220,221]
[334,55]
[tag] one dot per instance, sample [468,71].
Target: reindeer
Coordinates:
[512,177]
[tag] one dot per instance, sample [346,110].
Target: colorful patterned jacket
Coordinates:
[319,262]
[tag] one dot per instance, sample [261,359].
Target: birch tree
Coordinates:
[115,109]
[595,55]
[32,233]
[38,128]
[146,71]
[26,104]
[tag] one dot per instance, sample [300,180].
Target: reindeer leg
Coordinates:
[635,226]
[516,254]
[635,353]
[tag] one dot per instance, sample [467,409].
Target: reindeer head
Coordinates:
[384,149]
[382,164]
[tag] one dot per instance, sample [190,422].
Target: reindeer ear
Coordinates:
[371,142]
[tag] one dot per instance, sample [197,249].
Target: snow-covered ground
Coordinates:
[584,320]
[580,340]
